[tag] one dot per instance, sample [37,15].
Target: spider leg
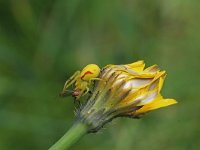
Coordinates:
[65,93]
[71,80]
[87,90]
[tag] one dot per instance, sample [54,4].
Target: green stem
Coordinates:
[70,137]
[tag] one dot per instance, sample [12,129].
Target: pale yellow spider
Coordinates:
[82,81]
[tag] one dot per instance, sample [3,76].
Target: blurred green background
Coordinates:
[42,42]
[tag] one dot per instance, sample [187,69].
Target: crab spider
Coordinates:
[82,81]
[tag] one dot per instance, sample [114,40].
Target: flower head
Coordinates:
[124,90]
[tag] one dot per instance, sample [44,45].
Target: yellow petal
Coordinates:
[158,81]
[137,66]
[158,103]
[153,68]
[161,81]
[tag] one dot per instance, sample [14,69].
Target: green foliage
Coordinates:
[42,42]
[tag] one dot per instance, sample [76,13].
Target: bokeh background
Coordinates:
[42,42]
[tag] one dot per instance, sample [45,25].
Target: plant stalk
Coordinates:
[70,137]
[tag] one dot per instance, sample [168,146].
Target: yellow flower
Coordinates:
[124,90]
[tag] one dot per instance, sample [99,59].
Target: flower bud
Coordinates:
[124,90]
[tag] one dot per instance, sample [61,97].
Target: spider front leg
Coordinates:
[70,81]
